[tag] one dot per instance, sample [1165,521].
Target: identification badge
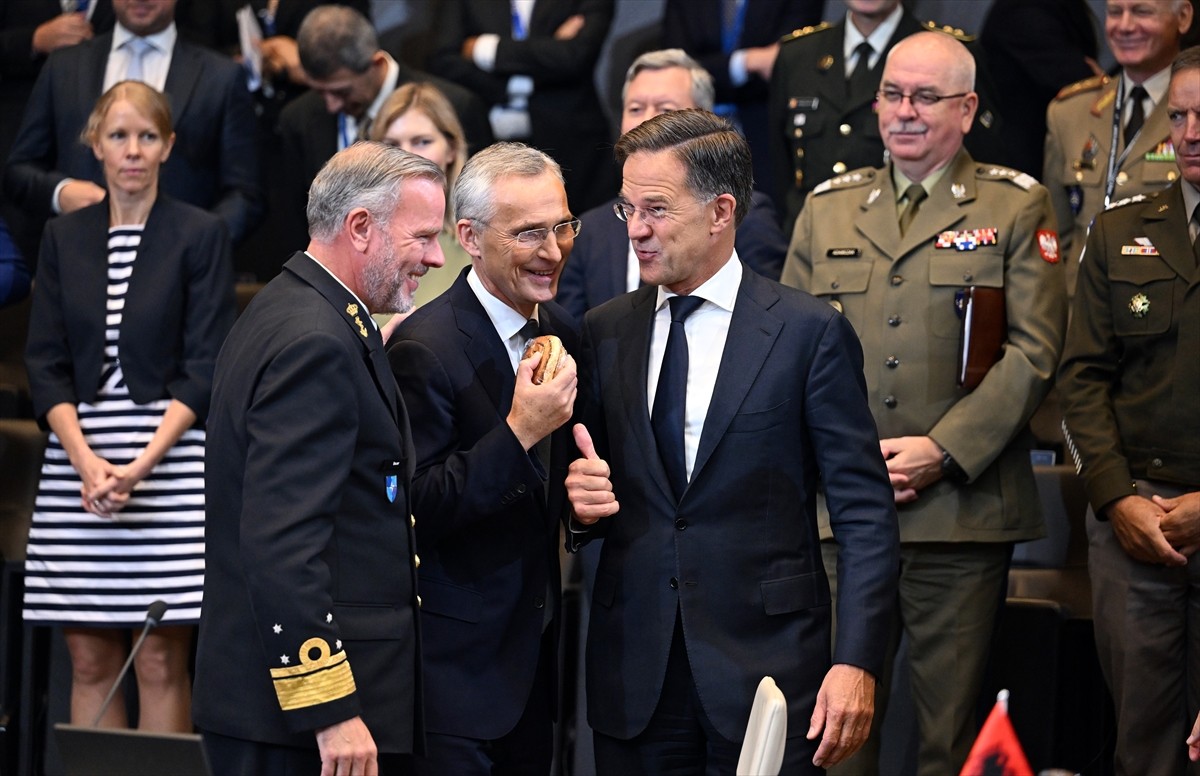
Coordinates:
[843,253]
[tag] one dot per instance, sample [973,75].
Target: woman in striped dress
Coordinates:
[132,300]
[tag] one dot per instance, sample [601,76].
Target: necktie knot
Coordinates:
[529,330]
[683,306]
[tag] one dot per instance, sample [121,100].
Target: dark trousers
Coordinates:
[238,757]
[680,741]
[526,750]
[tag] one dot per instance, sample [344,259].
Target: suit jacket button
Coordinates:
[890,402]
[674,583]
[680,524]
[539,602]
[521,489]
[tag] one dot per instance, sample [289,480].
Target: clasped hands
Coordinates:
[1157,530]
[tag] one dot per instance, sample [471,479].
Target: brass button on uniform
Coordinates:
[1157,463]
[417,561]
[890,402]
[897,280]
[845,130]
[893,320]
[839,168]
[418,602]
[892,362]
[412,521]
[968,277]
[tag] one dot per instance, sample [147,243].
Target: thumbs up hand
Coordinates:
[588,485]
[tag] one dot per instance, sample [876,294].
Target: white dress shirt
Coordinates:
[707,329]
[505,320]
[878,39]
[155,62]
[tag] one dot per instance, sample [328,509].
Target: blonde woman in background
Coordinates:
[418,118]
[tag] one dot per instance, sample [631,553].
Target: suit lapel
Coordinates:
[482,346]
[616,261]
[1166,225]
[752,333]
[97,59]
[633,351]
[942,209]
[182,78]
[356,320]
[830,82]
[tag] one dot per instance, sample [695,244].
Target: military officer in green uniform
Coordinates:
[821,111]
[1130,382]
[1144,38]
[893,249]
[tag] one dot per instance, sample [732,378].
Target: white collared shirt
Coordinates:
[155,62]
[707,329]
[507,321]
[878,39]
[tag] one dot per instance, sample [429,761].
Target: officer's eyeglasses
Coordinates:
[919,99]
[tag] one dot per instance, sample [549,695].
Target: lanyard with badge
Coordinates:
[1110,180]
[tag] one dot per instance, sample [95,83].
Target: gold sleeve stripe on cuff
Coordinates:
[314,681]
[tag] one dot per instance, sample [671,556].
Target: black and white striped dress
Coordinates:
[86,570]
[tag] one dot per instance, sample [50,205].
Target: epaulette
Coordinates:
[1020,179]
[1086,85]
[849,180]
[954,32]
[803,31]
[1127,201]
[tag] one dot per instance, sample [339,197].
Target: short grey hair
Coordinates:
[704,93]
[473,190]
[333,37]
[368,175]
[1188,59]
[714,154]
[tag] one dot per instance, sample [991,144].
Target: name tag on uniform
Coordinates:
[843,253]
[804,103]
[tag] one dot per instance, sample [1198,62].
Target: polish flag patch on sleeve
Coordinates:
[1047,240]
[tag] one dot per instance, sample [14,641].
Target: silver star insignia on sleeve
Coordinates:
[328,617]
[277,628]
[338,643]
[284,659]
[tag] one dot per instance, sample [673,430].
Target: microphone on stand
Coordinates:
[154,616]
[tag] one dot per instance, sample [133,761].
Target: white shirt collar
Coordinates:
[878,38]
[721,289]
[389,86]
[163,41]
[505,320]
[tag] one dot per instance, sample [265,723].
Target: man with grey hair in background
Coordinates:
[1085,170]
[894,250]
[492,453]
[309,644]
[603,264]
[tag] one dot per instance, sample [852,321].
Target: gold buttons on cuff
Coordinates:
[417,561]
[845,130]
[418,602]
[839,168]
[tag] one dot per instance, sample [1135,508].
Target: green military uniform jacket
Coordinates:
[983,226]
[1078,138]
[1130,375]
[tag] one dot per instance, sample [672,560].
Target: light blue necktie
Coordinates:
[138,48]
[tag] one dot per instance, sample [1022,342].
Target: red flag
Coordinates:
[996,751]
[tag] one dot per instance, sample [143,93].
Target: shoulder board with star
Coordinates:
[954,32]
[805,31]
[1127,201]
[850,180]
[1079,87]
[1019,179]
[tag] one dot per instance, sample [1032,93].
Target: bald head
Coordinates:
[959,65]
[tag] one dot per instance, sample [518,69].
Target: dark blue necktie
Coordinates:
[670,399]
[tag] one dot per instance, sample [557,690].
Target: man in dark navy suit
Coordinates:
[492,453]
[309,651]
[603,264]
[214,165]
[717,400]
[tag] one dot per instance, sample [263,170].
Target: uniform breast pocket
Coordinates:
[949,273]
[1142,295]
[843,283]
